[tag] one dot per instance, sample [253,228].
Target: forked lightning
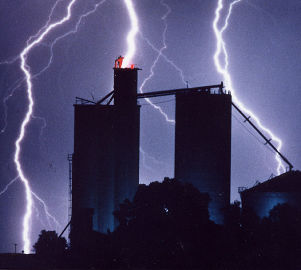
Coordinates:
[221,51]
[30,44]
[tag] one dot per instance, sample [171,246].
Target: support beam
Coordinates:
[204,89]
[105,97]
[267,141]
[83,101]
[110,100]
[65,229]
[182,91]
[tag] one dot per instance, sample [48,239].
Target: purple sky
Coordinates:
[263,41]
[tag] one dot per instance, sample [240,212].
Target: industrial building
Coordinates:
[262,197]
[203,142]
[105,162]
[203,146]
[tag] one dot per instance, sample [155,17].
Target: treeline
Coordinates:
[167,226]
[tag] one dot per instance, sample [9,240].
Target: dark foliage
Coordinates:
[50,248]
[281,237]
[50,243]
[167,226]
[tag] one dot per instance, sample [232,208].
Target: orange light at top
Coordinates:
[118,62]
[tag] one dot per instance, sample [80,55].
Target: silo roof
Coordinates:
[286,182]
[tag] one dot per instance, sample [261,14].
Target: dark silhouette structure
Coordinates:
[203,146]
[50,245]
[105,167]
[263,197]
[163,226]
[105,163]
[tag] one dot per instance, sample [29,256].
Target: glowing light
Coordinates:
[31,43]
[132,34]
[223,70]
[160,51]
[118,62]
[132,49]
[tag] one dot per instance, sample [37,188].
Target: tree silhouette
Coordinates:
[281,237]
[50,245]
[167,224]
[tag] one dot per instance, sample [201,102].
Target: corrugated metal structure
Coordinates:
[203,146]
[105,167]
[261,198]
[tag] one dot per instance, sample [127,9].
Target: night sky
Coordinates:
[263,42]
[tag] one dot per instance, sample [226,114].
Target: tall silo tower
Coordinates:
[105,168]
[203,146]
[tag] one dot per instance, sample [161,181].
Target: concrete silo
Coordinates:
[105,166]
[261,198]
[203,146]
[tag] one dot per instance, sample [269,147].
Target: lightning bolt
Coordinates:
[163,18]
[131,50]
[143,153]
[159,55]
[180,71]
[16,58]
[43,28]
[8,185]
[12,90]
[43,120]
[221,51]
[30,44]
[154,160]
[48,215]
[51,46]
[73,31]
